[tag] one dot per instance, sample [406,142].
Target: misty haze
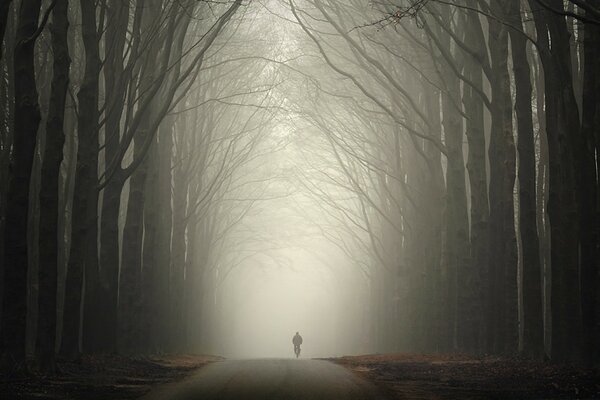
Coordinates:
[299,199]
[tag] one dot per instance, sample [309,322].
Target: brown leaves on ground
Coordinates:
[104,377]
[456,376]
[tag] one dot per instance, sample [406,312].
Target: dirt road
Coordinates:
[270,379]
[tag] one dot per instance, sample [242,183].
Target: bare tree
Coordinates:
[49,191]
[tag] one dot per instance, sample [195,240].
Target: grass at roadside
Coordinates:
[102,378]
[452,376]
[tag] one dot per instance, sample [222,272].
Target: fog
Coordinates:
[211,177]
[281,271]
[290,262]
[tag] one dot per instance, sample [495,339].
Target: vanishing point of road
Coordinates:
[270,379]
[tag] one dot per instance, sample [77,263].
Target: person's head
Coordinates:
[297,333]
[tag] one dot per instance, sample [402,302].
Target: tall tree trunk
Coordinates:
[26,123]
[476,165]
[43,81]
[457,235]
[532,321]
[458,276]
[88,97]
[562,126]
[131,307]
[178,249]
[435,199]
[192,273]
[117,21]
[150,322]
[503,331]
[590,238]
[6,139]
[130,281]
[85,210]
[165,228]
[49,191]
[596,343]
[66,207]
[542,199]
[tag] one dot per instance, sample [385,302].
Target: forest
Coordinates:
[429,167]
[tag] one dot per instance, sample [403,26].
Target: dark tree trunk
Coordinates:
[49,191]
[596,343]
[66,207]
[562,126]
[503,331]
[150,322]
[26,123]
[458,274]
[165,228]
[542,199]
[532,321]
[178,249]
[596,278]
[476,165]
[109,260]
[6,119]
[131,301]
[130,281]
[457,229]
[89,116]
[85,201]
[435,201]
[590,239]
[117,20]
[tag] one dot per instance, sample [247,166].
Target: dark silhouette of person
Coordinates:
[297,341]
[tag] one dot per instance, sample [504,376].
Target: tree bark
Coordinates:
[131,301]
[49,191]
[117,21]
[26,123]
[165,229]
[562,126]
[502,328]
[457,241]
[476,165]
[532,321]
[85,212]
[130,280]
[89,117]
[458,275]
[435,201]
[178,248]
[542,199]
[590,235]
[150,322]
[6,139]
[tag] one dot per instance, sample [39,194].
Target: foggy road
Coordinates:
[267,379]
[182,178]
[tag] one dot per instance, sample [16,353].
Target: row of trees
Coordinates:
[452,146]
[468,134]
[117,157]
